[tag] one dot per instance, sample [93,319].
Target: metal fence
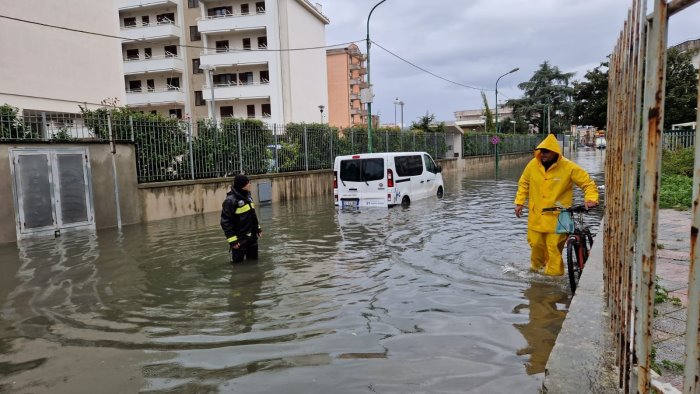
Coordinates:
[678,139]
[632,168]
[170,149]
[481,144]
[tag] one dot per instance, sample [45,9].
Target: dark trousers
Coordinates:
[248,249]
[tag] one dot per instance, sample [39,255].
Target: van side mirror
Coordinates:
[439,168]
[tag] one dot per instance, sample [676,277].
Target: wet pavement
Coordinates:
[436,297]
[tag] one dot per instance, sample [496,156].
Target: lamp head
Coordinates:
[514,70]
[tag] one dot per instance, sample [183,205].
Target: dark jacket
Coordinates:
[238,218]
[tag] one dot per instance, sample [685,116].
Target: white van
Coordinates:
[385,179]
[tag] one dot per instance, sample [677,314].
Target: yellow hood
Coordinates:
[549,143]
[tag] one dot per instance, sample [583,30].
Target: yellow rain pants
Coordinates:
[546,252]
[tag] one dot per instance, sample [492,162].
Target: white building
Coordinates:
[174,49]
[54,70]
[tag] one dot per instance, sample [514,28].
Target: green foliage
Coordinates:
[62,135]
[489,126]
[480,144]
[678,162]
[11,124]
[676,192]
[591,98]
[681,88]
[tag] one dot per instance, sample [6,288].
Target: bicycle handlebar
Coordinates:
[573,209]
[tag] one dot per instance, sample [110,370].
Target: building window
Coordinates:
[226,112]
[135,86]
[192,3]
[195,67]
[260,7]
[170,50]
[173,83]
[266,110]
[128,22]
[151,85]
[147,53]
[246,43]
[154,112]
[175,113]
[198,98]
[224,79]
[264,76]
[245,78]
[251,110]
[132,54]
[194,34]
[262,42]
[220,11]
[245,9]
[145,20]
[167,18]
[222,46]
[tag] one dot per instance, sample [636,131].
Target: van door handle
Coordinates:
[428,180]
[352,189]
[422,181]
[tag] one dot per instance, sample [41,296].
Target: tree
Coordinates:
[547,92]
[591,98]
[489,125]
[426,124]
[681,88]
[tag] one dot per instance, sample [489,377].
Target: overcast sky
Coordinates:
[473,42]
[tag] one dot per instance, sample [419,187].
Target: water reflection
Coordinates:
[431,298]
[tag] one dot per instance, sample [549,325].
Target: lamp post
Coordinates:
[401,103]
[369,85]
[499,78]
[396,102]
[320,108]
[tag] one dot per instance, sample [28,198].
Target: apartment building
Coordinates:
[225,58]
[51,70]
[475,120]
[346,76]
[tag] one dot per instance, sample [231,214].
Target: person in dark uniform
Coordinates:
[239,221]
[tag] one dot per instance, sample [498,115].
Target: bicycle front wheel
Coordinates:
[573,264]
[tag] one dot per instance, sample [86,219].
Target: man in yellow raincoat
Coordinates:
[549,179]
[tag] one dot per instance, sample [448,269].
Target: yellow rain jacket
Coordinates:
[545,189]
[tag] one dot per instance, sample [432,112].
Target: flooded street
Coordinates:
[436,297]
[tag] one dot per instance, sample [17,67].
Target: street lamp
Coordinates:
[513,122]
[210,72]
[396,102]
[369,85]
[320,108]
[499,78]
[401,103]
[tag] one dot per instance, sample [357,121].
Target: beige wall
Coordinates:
[103,192]
[338,90]
[55,70]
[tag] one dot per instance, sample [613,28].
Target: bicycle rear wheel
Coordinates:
[573,264]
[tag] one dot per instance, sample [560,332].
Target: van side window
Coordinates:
[430,164]
[408,165]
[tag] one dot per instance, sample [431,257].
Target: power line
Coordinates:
[430,72]
[179,45]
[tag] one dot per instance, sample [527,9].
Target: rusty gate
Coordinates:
[633,165]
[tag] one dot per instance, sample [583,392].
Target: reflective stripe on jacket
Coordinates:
[238,218]
[545,188]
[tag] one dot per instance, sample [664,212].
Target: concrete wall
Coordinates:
[56,70]
[103,192]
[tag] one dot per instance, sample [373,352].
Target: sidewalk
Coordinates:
[672,268]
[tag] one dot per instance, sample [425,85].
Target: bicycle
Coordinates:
[578,243]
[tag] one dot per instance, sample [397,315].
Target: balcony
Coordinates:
[154,31]
[354,96]
[154,97]
[138,5]
[234,57]
[358,111]
[239,91]
[152,65]
[232,22]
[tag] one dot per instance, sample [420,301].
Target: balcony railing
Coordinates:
[142,97]
[153,64]
[152,31]
[234,91]
[228,57]
[232,22]
[130,5]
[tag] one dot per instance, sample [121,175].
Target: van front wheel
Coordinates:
[405,201]
[440,192]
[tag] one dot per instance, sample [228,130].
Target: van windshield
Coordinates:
[361,170]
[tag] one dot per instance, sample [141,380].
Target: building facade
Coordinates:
[52,70]
[346,76]
[475,120]
[225,58]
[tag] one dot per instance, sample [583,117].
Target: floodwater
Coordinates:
[433,298]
